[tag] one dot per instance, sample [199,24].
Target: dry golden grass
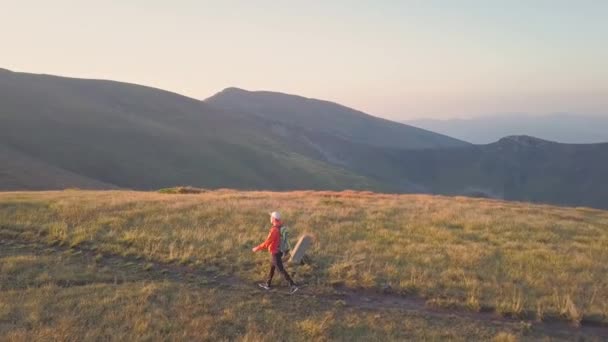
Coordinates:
[73,298]
[517,259]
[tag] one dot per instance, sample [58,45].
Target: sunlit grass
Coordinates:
[515,258]
[57,295]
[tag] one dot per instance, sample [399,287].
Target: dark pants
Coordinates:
[277,262]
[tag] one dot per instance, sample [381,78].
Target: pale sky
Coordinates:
[395,59]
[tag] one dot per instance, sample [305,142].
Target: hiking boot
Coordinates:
[264,286]
[293,289]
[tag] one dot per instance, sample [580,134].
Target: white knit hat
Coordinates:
[275,215]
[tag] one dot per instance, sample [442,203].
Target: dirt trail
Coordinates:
[356,298]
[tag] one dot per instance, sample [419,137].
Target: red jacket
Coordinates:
[273,241]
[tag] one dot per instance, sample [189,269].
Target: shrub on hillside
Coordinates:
[182,190]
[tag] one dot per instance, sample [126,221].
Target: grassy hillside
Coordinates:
[387,267]
[132,136]
[21,172]
[59,294]
[139,137]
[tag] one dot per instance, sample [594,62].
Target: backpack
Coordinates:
[285,246]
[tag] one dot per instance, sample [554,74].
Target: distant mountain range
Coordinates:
[132,136]
[519,168]
[564,128]
[58,132]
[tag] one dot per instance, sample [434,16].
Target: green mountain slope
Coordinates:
[58,132]
[139,137]
[21,172]
[335,134]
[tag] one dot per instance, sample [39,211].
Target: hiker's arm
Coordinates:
[264,244]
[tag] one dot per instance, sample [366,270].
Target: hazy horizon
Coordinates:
[391,59]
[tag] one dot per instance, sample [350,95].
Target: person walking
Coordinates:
[272,244]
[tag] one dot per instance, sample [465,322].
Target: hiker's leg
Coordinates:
[285,256]
[271,272]
[279,263]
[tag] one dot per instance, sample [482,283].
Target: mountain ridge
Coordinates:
[112,134]
[329,117]
[117,133]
